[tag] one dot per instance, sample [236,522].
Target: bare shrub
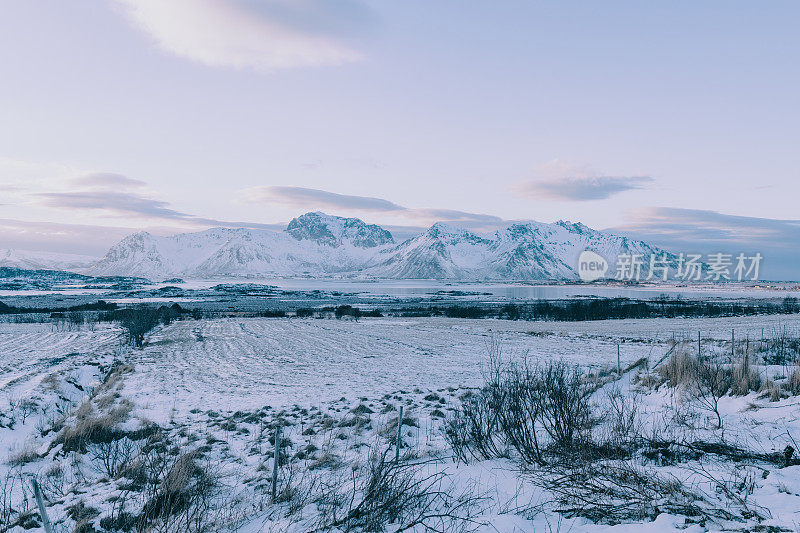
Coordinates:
[183,498]
[620,492]
[473,429]
[404,495]
[137,322]
[522,412]
[622,419]
[53,481]
[712,383]
[109,456]
[706,382]
[7,487]
[566,410]
[771,390]
[520,404]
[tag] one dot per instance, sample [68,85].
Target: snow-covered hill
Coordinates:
[316,244]
[44,260]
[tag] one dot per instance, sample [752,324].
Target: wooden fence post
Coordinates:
[37,492]
[698,345]
[399,436]
[275,463]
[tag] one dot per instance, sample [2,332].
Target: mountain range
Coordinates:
[321,245]
[44,260]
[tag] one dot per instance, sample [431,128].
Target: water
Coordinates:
[513,291]
[428,289]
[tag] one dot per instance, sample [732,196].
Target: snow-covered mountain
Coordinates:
[531,251]
[44,260]
[337,231]
[316,245]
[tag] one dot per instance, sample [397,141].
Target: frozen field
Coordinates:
[222,385]
[249,363]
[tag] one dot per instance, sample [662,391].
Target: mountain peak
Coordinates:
[333,231]
[452,235]
[575,227]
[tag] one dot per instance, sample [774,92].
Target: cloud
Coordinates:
[134,205]
[120,203]
[564,181]
[303,197]
[450,215]
[318,199]
[107,179]
[582,188]
[711,226]
[263,35]
[701,231]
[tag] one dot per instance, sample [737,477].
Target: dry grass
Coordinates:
[93,428]
[792,385]
[771,389]
[680,370]
[23,456]
[745,379]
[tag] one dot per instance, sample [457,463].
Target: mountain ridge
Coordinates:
[321,245]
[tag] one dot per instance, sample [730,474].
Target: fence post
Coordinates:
[275,462]
[37,492]
[619,368]
[399,441]
[698,345]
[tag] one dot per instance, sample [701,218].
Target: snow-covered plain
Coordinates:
[226,379]
[248,363]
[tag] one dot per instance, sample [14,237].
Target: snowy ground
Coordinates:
[248,363]
[227,382]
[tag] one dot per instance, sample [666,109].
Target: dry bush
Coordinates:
[109,457]
[534,409]
[91,428]
[706,382]
[521,411]
[712,383]
[473,430]
[621,492]
[680,370]
[53,481]
[22,456]
[622,423]
[183,499]
[565,406]
[792,385]
[771,390]
[745,379]
[8,484]
[403,495]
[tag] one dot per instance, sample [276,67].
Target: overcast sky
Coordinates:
[678,121]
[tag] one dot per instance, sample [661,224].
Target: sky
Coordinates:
[678,122]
